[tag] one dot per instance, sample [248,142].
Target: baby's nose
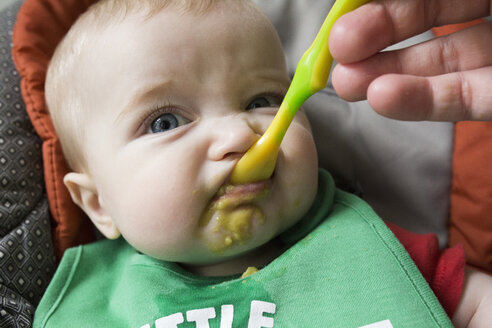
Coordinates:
[232,137]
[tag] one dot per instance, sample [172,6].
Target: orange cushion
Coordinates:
[448,29]
[470,217]
[470,222]
[40,26]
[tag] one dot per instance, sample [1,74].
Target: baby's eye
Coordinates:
[264,101]
[166,122]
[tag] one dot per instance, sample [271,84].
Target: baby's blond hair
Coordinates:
[65,95]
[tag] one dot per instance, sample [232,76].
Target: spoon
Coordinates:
[311,75]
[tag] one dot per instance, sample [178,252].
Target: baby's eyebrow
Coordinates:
[279,81]
[144,95]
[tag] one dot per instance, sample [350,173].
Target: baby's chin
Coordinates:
[234,217]
[231,230]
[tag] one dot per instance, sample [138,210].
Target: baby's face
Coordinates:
[175,101]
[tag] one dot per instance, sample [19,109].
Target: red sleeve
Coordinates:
[444,270]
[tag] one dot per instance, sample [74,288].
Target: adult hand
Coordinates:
[447,78]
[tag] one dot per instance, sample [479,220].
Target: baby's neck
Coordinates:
[258,258]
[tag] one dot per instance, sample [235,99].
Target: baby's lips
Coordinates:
[244,192]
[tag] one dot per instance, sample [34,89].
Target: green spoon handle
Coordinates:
[311,75]
[313,69]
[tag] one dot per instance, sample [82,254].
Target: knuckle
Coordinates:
[449,55]
[465,93]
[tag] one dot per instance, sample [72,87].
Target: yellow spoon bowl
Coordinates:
[311,75]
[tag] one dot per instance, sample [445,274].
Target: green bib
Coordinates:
[347,271]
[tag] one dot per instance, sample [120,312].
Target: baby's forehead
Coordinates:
[128,26]
[107,12]
[125,17]
[130,34]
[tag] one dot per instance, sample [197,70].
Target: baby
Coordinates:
[154,102]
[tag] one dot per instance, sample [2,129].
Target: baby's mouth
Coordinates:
[229,217]
[230,196]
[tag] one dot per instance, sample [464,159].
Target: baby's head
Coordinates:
[154,103]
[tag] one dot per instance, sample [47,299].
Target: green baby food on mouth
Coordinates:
[233,215]
[232,225]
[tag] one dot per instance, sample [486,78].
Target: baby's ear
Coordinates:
[84,194]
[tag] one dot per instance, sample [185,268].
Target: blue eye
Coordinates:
[166,122]
[264,101]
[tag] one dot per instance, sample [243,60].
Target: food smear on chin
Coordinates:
[230,216]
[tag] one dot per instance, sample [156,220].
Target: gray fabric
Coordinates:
[8,3]
[402,169]
[27,260]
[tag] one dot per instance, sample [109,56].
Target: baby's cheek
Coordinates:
[300,154]
[301,166]
[153,216]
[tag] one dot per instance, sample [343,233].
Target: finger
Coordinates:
[450,97]
[381,23]
[464,50]
[351,81]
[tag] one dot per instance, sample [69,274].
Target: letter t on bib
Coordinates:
[201,316]
[256,318]
[171,321]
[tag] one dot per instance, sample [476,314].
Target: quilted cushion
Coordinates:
[27,260]
[40,26]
